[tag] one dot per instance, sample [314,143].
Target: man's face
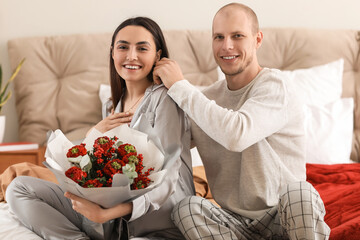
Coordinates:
[234,43]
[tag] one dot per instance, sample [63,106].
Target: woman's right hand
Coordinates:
[114,120]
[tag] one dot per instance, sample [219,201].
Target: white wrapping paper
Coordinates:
[120,191]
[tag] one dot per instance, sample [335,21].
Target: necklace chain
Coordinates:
[135,103]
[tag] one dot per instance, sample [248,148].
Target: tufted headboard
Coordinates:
[59,84]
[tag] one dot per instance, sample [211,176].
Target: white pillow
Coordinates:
[329,131]
[221,75]
[329,125]
[104,93]
[328,118]
[319,85]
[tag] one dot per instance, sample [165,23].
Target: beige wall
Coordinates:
[21,18]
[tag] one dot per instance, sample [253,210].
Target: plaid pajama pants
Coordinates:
[299,215]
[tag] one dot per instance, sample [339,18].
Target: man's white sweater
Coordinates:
[251,140]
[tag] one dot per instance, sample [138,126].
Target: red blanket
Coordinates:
[339,188]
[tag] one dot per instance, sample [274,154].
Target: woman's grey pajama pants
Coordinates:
[41,206]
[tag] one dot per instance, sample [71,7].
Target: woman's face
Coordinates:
[134,53]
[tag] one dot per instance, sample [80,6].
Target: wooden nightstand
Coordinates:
[35,156]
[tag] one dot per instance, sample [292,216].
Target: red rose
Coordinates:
[106,161]
[76,174]
[99,173]
[113,167]
[126,148]
[142,181]
[103,147]
[92,183]
[77,150]
[109,182]
[103,142]
[131,157]
[139,166]
[98,152]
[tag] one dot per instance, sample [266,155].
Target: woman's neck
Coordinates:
[136,89]
[133,95]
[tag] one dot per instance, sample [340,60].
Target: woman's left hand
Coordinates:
[94,212]
[90,210]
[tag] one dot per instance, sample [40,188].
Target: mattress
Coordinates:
[11,228]
[338,185]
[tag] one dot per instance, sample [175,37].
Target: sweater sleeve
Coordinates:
[262,114]
[169,125]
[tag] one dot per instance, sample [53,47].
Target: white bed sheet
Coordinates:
[11,228]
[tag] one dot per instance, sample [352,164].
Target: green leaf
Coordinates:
[85,163]
[16,71]
[3,101]
[0,76]
[3,92]
[4,96]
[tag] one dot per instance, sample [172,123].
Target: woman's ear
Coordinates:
[112,52]
[158,55]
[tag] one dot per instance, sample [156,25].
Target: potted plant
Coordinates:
[5,95]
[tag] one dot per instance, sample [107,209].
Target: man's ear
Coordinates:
[259,38]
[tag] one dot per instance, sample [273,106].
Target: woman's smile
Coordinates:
[132,66]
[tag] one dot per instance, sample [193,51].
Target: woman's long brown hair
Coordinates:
[118,85]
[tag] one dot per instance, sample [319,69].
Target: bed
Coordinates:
[67,74]
[339,187]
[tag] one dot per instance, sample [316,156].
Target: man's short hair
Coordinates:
[250,13]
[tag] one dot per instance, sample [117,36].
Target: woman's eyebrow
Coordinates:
[122,41]
[143,42]
[138,43]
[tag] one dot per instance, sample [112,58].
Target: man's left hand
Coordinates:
[167,71]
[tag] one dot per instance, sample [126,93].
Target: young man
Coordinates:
[249,133]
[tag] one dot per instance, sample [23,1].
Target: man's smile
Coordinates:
[229,57]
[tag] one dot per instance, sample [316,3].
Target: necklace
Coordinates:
[134,104]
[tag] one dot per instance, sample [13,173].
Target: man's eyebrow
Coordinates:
[232,33]
[138,43]
[238,32]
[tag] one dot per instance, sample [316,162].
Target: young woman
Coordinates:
[137,44]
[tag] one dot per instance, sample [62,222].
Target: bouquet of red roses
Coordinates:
[109,156]
[105,170]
